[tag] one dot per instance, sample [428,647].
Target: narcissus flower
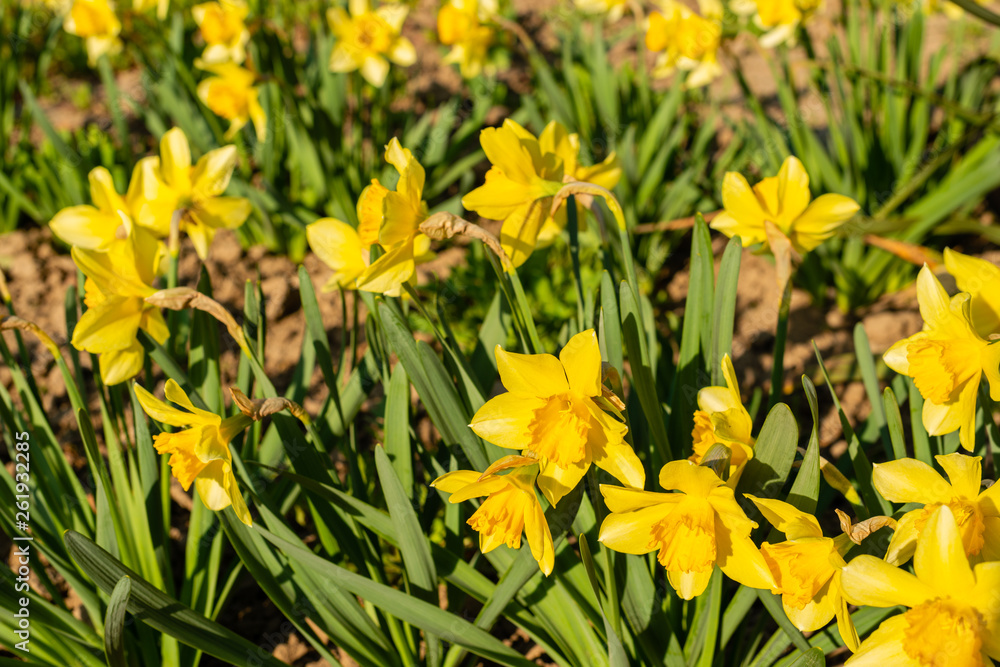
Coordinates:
[778,18]
[519,187]
[200,452]
[119,278]
[392,219]
[169,185]
[806,569]
[557,140]
[947,361]
[231,94]
[222,27]
[369,39]
[694,530]
[722,418]
[460,25]
[979,278]
[976,511]
[954,610]
[511,508]
[550,411]
[685,41]
[93,227]
[95,22]
[783,204]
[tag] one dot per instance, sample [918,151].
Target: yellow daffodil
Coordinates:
[369,39]
[953,609]
[231,94]
[460,26]
[200,452]
[338,245]
[96,23]
[806,569]
[613,8]
[392,219]
[779,19]
[222,27]
[685,41]
[557,140]
[979,278]
[519,187]
[694,530]
[976,511]
[93,227]
[119,278]
[511,507]
[550,411]
[169,186]
[947,361]
[783,204]
[721,418]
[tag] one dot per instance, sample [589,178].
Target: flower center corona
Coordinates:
[941,368]
[801,567]
[944,633]
[499,520]
[970,522]
[686,537]
[559,429]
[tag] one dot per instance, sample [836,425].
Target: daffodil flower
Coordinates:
[510,509]
[392,219]
[947,361]
[784,204]
[222,27]
[979,278]
[231,94]
[722,418]
[93,227]
[613,9]
[806,569]
[369,39]
[119,278]
[779,19]
[953,610]
[550,411]
[460,26]
[338,245]
[96,23]
[168,186]
[557,140]
[200,452]
[519,187]
[977,511]
[685,41]
[694,530]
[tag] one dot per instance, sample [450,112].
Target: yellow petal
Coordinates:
[539,537]
[400,220]
[212,487]
[845,625]
[110,326]
[821,219]
[338,246]
[984,597]
[556,481]
[375,69]
[965,473]
[624,499]
[504,419]
[539,375]
[214,170]
[161,411]
[689,585]
[121,365]
[85,227]
[868,580]
[738,557]
[690,478]
[816,613]
[498,197]
[173,392]
[949,417]
[730,226]
[341,58]
[489,485]
[791,521]
[910,481]
[940,558]
[239,505]
[935,304]
[201,237]
[519,233]
[150,201]
[632,532]
[389,271]
[904,539]
[619,459]
[979,278]
[455,480]
[742,204]
[411,173]
[175,159]
[896,358]
[581,359]
[885,647]
[793,191]
[222,212]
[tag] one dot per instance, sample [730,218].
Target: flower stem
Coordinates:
[573,226]
[780,336]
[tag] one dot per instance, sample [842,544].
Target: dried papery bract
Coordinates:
[180,298]
[14,323]
[444,225]
[857,532]
[259,409]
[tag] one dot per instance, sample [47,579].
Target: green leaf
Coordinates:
[765,474]
[161,612]
[805,489]
[397,427]
[894,422]
[114,623]
[724,314]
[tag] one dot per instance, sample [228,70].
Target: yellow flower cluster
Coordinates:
[116,243]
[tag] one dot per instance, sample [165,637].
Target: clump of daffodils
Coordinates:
[464,26]
[222,26]
[686,41]
[778,19]
[368,39]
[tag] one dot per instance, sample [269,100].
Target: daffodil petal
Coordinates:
[110,326]
[690,585]
[816,613]
[935,304]
[940,557]
[160,410]
[389,271]
[868,580]
[619,459]
[692,479]
[910,481]
[885,647]
[738,557]
[504,419]
[338,245]
[978,277]
[631,532]
[794,523]
[455,480]
[85,227]
[793,190]
[537,375]
[175,159]
[211,486]
[519,233]
[539,537]
[556,481]
[624,499]
[965,473]
[581,359]
[821,219]
[120,365]
[904,539]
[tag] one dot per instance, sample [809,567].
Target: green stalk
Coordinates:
[780,337]
[572,225]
